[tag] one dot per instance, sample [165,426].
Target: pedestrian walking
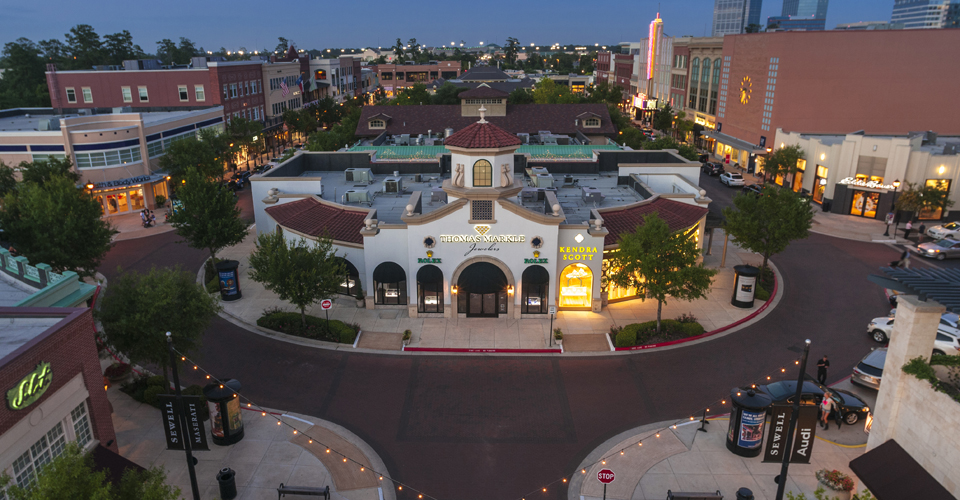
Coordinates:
[822,366]
[905,259]
[920,232]
[826,406]
[907,229]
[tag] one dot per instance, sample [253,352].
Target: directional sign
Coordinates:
[326,304]
[606,476]
[553,309]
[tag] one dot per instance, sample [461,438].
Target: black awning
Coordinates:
[112,464]
[349,268]
[482,277]
[388,272]
[535,275]
[430,274]
[890,473]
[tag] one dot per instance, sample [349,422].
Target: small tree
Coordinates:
[915,198]
[299,272]
[783,161]
[139,309]
[660,263]
[207,155]
[57,224]
[663,119]
[767,223]
[208,217]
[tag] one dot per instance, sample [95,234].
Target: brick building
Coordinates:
[394,77]
[51,375]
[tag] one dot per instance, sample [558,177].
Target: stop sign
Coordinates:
[606,476]
[326,304]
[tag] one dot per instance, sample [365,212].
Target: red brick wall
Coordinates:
[105,86]
[837,82]
[227,74]
[70,350]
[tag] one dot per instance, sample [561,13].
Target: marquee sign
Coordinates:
[30,388]
[865,183]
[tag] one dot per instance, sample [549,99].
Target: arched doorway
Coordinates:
[389,284]
[430,289]
[534,289]
[351,277]
[576,286]
[482,291]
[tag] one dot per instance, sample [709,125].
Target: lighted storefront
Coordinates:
[576,286]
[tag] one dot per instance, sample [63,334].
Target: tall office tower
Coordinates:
[801,15]
[920,14]
[805,8]
[731,17]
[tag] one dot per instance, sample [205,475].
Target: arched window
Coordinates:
[576,286]
[389,284]
[430,290]
[716,72]
[351,278]
[694,81]
[534,288]
[704,85]
[482,174]
[706,70]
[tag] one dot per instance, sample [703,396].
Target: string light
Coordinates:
[564,479]
[310,441]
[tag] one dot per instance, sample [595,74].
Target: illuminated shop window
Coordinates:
[615,292]
[576,286]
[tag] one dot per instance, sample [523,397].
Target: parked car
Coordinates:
[943,249]
[852,408]
[948,230]
[880,329]
[731,179]
[946,344]
[712,168]
[869,370]
[755,189]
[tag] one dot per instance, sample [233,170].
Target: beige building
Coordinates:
[276,101]
[703,69]
[117,155]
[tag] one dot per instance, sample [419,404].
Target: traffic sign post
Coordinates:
[605,476]
[326,304]
[553,310]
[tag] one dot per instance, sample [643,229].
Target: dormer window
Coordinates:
[591,122]
[378,124]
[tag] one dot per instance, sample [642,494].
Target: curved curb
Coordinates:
[723,331]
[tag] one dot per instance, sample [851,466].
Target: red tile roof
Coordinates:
[677,215]
[520,118]
[309,216]
[482,135]
[483,91]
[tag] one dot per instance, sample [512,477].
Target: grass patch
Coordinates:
[316,328]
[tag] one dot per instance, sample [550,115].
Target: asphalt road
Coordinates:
[501,427]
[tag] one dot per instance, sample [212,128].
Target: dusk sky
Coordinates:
[316,25]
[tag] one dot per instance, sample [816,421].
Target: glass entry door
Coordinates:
[865,204]
[485,305]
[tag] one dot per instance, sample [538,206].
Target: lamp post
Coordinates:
[896,216]
[795,415]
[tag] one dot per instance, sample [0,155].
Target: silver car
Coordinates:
[869,370]
[948,230]
[943,249]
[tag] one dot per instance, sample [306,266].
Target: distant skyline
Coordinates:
[256,26]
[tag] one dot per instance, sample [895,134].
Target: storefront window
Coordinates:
[864,204]
[136,199]
[615,292]
[351,277]
[390,284]
[576,286]
[112,204]
[820,183]
[798,176]
[430,290]
[535,285]
[934,213]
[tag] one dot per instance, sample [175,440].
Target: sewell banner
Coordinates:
[802,440]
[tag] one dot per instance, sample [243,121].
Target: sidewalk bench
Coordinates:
[309,491]
[694,496]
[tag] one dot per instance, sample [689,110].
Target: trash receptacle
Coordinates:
[747,418]
[227,479]
[229,279]
[744,494]
[226,423]
[744,286]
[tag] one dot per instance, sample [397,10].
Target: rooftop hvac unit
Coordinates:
[392,185]
[951,148]
[358,175]
[524,137]
[50,124]
[543,180]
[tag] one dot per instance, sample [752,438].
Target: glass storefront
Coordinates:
[864,204]
[351,277]
[390,284]
[576,286]
[798,176]
[131,199]
[934,213]
[535,285]
[819,183]
[615,292]
[430,290]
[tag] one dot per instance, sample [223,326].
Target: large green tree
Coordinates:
[246,133]
[300,272]
[416,95]
[916,198]
[768,222]
[447,94]
[206,154]
[24,82]
[520,95]
[8,182]
[58,224]
[208,217]
[340,135]
[42,171]
[660,263]
[548,92]
[119,47]
[139,309]
[663,119]
[86,48]
[399,52]
[511,49]
[666,142]
[782,162]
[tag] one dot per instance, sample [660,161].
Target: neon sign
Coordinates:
[656,28]
[865,183]
[30,388]
[582,253]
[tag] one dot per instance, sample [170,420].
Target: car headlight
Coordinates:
[865,408]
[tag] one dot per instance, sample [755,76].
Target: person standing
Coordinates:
[905,259]
[907,229]
[920,232]
[826,407]
[822,366]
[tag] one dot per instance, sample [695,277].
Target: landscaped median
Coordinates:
[290,323]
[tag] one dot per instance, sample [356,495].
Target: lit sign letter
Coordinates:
[30,388]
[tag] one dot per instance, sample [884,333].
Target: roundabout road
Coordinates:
[485,427]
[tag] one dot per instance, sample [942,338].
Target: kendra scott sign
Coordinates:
[30,388]
[482,237]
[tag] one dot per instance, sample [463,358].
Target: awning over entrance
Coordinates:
[129,181]
[890,473]
[389,272]
[733,142]
[536,275]
[482,277]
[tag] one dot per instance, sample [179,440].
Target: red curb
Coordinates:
[467,349]
[773,294]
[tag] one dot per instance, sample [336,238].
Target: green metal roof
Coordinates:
[536,152]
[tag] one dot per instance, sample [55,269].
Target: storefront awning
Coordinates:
[890,473]
[733,141]
[129,181]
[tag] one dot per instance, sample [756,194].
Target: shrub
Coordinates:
[160,200]
[687,318]
[316,328]
[213,286]
[692,329]
[156,380]
[761,294]
[150,395]
[407,334]
[627,336]
[557,334]
[117,370]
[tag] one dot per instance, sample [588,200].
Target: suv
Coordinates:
[712,168]
[731,179]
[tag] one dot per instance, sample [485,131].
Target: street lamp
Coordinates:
[896,217]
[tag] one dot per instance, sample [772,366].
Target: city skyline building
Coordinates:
[920,14]
[732,17]
[801,15]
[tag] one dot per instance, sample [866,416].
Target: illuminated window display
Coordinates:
[615,292]
[576,286]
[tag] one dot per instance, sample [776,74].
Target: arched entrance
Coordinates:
[482,291]
[576,286]
[534,289]
[430,289]
[351,277]
[390,284]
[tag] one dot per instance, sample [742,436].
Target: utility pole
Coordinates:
[187,445]
[785,464]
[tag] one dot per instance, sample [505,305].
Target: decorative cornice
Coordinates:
[490,193]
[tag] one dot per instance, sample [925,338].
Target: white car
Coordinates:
[731,179]
[881,328]
[946,344]
[948,230]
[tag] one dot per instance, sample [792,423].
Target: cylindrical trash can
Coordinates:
[744,286]
[226,423]
[227,479]
[748,415]
[229,279]
[744,494]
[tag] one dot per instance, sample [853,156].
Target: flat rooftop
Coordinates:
[18,330]
[29,120]
[390,207]
[13,291]
[536,152]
